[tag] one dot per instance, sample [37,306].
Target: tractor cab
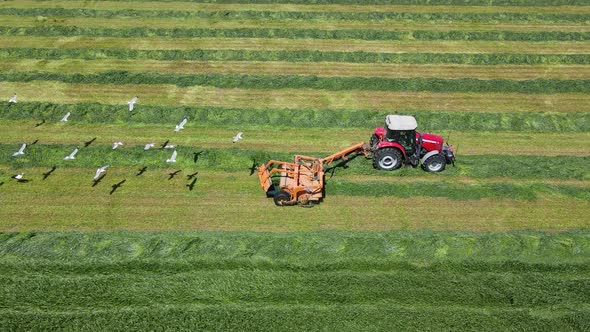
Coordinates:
[399,143]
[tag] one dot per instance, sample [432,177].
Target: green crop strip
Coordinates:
[300,118]
[297,34]
[329,280]
[478,166]
[298,56]
[537,86]
[292,15]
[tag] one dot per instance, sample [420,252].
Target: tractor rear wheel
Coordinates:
[387,159]
[434,164]
[281,197]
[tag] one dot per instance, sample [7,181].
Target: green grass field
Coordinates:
[500,242]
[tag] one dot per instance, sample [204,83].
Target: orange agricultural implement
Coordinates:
[302,181]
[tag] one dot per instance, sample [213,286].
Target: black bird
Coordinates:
[86,144]
[34,142]
[97,181]
[116,186]
[197,155]
[165,144]
[253,168]
[40,123]
[173,174]
[191,185]
[46,175]
[141,171]
[190,176]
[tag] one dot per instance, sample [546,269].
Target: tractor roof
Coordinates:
[401,122]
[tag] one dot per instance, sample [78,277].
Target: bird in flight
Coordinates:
[72,155]
[191,185]
[12,99]
[65,117]
[172,159]
[117,186]
[196,156]
[253,168]
[190,176]
[180,126]
[131,103]
[20,151]
[238,137]
[165,144]
[97,180]
[40,123]
[173,174]
[99,171]
[141,171]
[86,144]
[48,173]
[19,178]
[117,144]
[149,146]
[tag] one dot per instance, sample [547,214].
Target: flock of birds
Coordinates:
[101,171]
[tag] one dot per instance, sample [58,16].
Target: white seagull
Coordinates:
[100,171]
[132,103]
[238,137]
[12,99]
[65,118]
[149,146]
[171,146]
[20,151]
[72,155]
[173,158]
[180,126]
[18,176]
[117,144]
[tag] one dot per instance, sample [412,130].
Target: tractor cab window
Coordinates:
[406,138]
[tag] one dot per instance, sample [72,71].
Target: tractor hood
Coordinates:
[432,142]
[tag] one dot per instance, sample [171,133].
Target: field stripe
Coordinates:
[155,203]
[276,82]
[203,6]
[425,35]
[265,44]
[308,16]
[324,69]
[265,117]
[470,143]
[154,94]
[252,23]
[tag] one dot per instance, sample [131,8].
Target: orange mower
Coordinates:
[302,181]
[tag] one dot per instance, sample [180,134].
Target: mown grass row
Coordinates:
[307,15]
[230,81]
[298,56]
[478,166]
[298,118]
[540,36]
[314,280]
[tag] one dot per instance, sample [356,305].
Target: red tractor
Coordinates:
[399,143]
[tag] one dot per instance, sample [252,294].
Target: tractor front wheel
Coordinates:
[281,197]
[387,159]
[434,164]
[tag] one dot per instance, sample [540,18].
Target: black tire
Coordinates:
[434,164]
[374,140]
[388,159]
[280,197]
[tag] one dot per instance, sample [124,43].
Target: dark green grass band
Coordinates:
[230,160]
[340,281]
[298,56]
[294,15]
[297,118]
[230,81]
[65,31]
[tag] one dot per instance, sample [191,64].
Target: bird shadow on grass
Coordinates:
[97,181]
